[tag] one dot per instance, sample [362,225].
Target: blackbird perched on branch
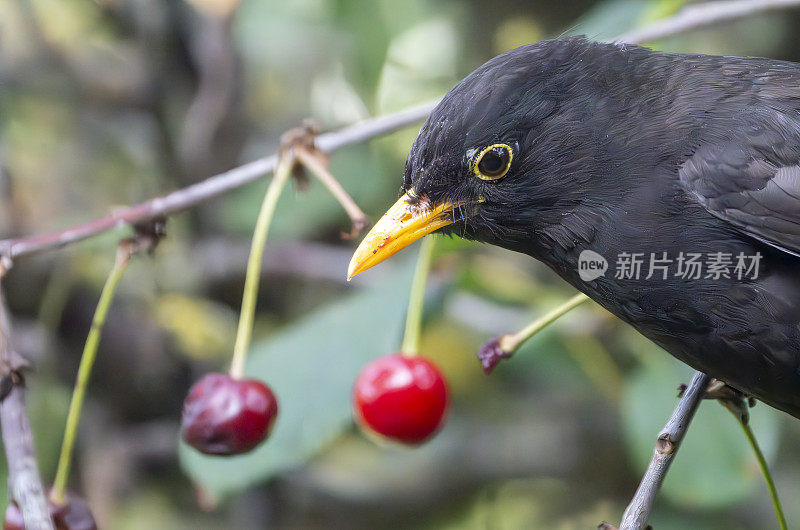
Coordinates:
[665,186]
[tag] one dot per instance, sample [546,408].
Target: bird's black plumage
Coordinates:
[623,149]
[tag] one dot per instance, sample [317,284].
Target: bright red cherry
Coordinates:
[73,514]
[227,416]
[401,398]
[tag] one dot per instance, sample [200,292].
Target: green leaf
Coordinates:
[714,466]
[421,64]
[611,18]
[311,367]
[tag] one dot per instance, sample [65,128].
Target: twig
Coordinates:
[706,14]
[212,187]
[179,200]
[25,484]
[637,512]
[319,167]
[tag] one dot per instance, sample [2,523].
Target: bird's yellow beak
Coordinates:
[405,222]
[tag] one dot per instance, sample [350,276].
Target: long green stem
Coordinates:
[84,371]
[245,330]
[410,344]
[512,341]
[762,463]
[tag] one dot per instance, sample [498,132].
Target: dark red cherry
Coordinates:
[72,514]
[227,416]
[400,397]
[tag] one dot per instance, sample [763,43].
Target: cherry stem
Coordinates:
[253,276]
[762,464]
[512,341]
[410,346]
[317,164]
[124,252]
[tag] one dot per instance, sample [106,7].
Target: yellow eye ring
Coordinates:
[493,162]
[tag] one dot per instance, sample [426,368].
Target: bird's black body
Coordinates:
[623,149]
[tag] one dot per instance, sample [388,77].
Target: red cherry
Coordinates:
[402,398]
[227,416]
[72,514]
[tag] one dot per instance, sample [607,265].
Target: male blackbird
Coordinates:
[655,161]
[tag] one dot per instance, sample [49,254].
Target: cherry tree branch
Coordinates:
[25,485]
[667,444]
[25,482]
[212,187]
[705,14]
[689,18]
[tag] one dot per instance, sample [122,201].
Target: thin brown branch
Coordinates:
[667,444]
[319,167]
[700,15]
[212,187]
[25,484]
[24,480]
[190,196]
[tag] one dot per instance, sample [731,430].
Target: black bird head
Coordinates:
[503,154]
[568,145]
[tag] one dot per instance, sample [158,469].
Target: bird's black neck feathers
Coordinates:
[624,149]
[595,122]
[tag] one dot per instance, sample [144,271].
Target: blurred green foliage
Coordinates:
[96,107]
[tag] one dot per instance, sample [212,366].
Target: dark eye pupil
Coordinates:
[493,162]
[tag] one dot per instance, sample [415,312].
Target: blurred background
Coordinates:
[111,102]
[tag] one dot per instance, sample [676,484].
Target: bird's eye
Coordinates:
[492,162]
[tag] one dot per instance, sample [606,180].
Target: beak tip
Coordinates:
[352,269]
[399,227]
